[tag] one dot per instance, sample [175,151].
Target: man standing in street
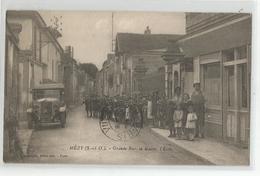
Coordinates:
[86,105]
[155,108]
[170,111]
[198,101]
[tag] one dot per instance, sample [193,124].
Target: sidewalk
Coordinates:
[24,135]
[208,149]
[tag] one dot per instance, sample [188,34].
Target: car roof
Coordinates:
[47,99]
[49,86]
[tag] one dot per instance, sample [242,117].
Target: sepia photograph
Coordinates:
[127,88]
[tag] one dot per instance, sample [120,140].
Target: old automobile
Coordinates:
[48,106]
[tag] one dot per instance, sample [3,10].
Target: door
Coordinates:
[236,98]
[211,87]
[229,101]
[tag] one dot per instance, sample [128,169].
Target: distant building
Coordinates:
[87,85]
[99,83]
[107,80]
[130,48]
[70,78]
[153,82]
[136,57]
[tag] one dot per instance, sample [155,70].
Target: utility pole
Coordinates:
[112,34]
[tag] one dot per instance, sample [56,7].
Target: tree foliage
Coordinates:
[89,68]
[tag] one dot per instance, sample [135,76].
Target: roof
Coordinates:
[35,15]
[235,34]
[131,42]
[48,30]
[27,13]
[49,86]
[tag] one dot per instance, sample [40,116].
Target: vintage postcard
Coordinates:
[128,88]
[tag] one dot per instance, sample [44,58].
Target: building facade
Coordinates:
[87,85]
[136,55]
[109,76]
[11,93]
[71,75]
[40,55]
[216,52]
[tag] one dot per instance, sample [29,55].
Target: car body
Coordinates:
[48,106]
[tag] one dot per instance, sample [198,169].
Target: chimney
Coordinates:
[147,30]
[69,51]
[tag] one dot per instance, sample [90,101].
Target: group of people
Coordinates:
[120,109]
[183,114]
[188,119]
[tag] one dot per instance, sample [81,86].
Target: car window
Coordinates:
[46,94]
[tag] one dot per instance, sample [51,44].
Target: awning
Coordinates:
[228,36]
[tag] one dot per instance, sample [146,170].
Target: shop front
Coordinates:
[221,63]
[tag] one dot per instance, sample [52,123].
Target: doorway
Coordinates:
[236,96]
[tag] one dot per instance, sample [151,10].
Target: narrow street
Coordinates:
[175,95]
[70,145]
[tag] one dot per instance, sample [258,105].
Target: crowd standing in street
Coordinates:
[182,115]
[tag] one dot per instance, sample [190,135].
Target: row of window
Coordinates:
[220,81]
[231,79]
[39,43]
[235,53]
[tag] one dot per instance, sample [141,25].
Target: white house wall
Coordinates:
[37,75]
[52,58]
[196,68]
[188,82]
[23,90]
[44,49]
[152,61]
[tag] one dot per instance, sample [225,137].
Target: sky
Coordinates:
[90,32]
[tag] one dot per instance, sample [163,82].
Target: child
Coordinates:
[177,118]
[191,122]
[186,99]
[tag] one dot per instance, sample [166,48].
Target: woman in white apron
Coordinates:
[127,116]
